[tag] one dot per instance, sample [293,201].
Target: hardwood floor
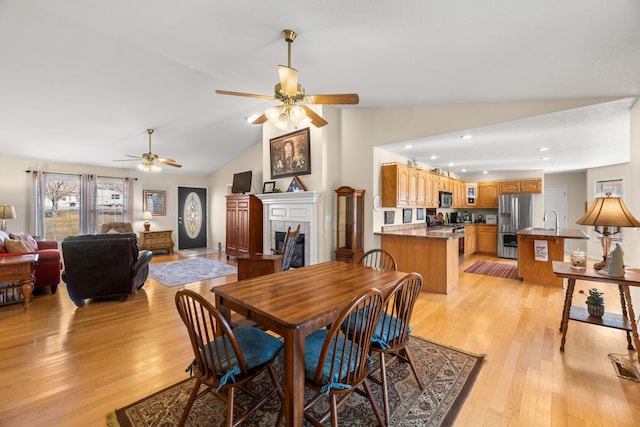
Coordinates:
[68,366]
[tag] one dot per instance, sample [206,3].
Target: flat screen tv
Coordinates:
[241,182]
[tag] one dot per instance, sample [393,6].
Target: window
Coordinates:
[78,204]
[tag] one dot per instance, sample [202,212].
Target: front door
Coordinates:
[192,217]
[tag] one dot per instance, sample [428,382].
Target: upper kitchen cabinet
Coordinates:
[519,186]
[395,185]
[459,193]
[488,194]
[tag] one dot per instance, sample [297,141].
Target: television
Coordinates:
[241,182]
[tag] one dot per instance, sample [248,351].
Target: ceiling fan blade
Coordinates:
[248,95]
[288,80]
[341,98]
[134,157]
[169,162]
[127,160]
[260,120]
[316,120]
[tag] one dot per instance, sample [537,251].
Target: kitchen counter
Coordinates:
[566,233]
[540,270]
[432,252]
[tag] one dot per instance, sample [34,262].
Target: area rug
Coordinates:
[447,374]
[193,269]
[496,269]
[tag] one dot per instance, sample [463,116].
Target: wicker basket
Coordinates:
[595,310]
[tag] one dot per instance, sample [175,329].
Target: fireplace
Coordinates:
[298,254]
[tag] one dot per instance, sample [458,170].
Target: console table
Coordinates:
[17,273]
[157,240]
[625,321]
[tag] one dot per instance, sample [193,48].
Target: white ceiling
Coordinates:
[81,80]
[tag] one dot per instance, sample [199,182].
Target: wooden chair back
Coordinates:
[380,259]
[398,307]
[288,247]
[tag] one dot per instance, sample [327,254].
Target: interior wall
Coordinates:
[576,183]
[15,189]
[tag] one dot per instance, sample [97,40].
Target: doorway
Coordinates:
[192,217]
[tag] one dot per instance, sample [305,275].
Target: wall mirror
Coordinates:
[154,201]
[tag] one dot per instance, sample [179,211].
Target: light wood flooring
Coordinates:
[67,366]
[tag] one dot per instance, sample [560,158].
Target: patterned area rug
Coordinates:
[496,269]
[189,270]
[447,375]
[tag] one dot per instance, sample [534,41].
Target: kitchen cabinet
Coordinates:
[431,190]
[444,183]
[521,186]
[488,194]
[487,239]
[459,193]
[395,185]
[244,225]
[421,189]
[470,239]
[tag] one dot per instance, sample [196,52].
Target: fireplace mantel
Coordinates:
[292,208]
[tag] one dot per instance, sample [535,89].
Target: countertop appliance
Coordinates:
[515,212]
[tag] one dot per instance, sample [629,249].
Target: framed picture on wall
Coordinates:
[155,202]
[389,217]
[406,215]
[290,154]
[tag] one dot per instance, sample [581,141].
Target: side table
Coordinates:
[625,321]
[157,240]
[17,272]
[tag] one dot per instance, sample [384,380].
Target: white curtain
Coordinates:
[37,203]
[127,204]
[88,213]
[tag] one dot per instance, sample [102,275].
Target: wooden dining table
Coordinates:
[295,303]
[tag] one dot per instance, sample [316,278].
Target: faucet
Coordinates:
[544,218]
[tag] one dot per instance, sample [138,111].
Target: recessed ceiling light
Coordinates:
[485,172]
[467,136]
[407,146]
[544,149]
[451,164]
[546,158]
[433,157]
[463,170]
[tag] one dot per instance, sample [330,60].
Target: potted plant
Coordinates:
[595,303]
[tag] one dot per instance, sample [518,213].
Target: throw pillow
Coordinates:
[112,231]
[28,240]
[15,246]
[3,250]
[3,236]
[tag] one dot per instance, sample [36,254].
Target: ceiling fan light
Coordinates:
[297,114]
[273,114]
[282,122]
[143,167]
[154,168]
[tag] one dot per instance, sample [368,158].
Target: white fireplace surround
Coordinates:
[283,210]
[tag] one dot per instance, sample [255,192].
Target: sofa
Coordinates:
[116,227]
[103,265]
[47,272]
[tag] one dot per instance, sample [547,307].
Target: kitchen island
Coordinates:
[538,268]
[433,252]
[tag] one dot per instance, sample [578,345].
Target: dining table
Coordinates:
[296,303]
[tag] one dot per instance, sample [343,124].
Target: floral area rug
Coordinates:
[189,270]
[446,373]
[496,269]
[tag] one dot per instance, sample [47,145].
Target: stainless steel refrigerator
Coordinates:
[515,212]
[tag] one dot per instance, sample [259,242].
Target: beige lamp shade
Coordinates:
[147,215]
[7,212]
[609,212]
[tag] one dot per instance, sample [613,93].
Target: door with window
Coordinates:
[192,217]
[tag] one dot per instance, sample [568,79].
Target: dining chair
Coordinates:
[392,334]
[226,359]
[288,247]
[380,259]
[336,365]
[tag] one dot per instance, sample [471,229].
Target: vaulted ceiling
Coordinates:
[81,80]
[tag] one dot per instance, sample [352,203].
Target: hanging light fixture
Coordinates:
[149,166]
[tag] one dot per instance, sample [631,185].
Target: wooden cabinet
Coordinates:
[244,225]
[488,195]
[519,186]
[156,240]
[405,187]
[395,185]
[459,193]
[431,190]
[350,224]
[487,239]
[470,239]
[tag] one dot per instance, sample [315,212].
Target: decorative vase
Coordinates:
[595,310]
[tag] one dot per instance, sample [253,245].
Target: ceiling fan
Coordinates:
[149,160]
[293,97]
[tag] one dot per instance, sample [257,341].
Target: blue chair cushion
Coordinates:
[257,347]
[386,329]
[313,348]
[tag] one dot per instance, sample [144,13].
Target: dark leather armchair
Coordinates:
[103,265]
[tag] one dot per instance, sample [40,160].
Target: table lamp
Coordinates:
[608,212]
[147,216]
[6,212]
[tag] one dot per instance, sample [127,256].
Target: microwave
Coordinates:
[446,199]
